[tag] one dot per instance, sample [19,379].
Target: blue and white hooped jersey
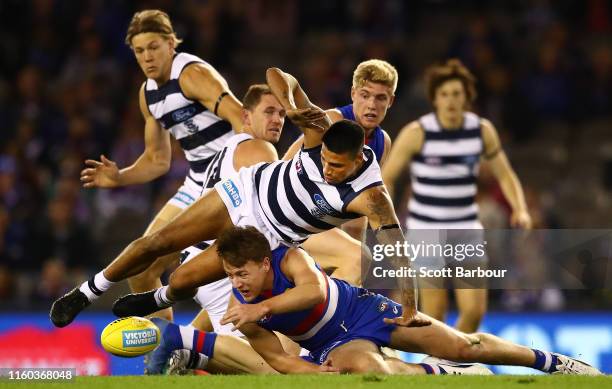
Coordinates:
[444,174]
[376,141]
[314,327]
[200,132]
[296,201]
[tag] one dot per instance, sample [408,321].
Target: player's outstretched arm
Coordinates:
[203,83]
[154,161]
[309,291]
[503,172]
[376,204]
[408,143]
[267,344]
[311,120]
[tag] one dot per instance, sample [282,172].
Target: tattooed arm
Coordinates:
[376,204]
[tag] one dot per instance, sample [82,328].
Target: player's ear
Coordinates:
[391,100]
[246,118]
[359,156]
[266,264]
[353,93]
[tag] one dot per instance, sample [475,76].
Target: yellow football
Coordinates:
[130,336]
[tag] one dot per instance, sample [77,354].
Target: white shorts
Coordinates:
[240,198]
[187,194]
[213,297]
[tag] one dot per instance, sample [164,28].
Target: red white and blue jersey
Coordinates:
[347,313]
[376,140]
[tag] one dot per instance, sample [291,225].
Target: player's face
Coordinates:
[249,279]
[370,103]
[338,167]
[266,120]
[154,55]
[450,99]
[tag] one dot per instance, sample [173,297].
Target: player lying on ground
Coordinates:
[333,179]
[343,326]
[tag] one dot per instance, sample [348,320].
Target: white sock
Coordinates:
[161,297]
[95,286]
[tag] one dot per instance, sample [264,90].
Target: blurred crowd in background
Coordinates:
[69,84]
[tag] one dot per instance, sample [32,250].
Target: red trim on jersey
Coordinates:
[317,312]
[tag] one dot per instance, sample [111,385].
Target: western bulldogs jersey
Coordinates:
[222,163]
[347,313]
[200,132]
[444,175]
[296,201]
[376,140]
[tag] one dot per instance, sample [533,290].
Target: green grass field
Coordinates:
[324,382]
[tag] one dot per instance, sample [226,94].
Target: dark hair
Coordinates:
[453,69]
[238,245]
[252,97]
[344,136]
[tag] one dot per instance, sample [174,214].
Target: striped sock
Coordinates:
[161,297]
[432,369]
[95,286]
[545,361]
[198,341]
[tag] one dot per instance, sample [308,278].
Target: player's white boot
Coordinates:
[455,368]
[567,365]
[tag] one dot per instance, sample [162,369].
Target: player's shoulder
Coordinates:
[257,150]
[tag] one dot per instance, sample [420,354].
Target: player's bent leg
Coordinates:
[472,306]
[149,279]
[203,269]
[434,302]
[359,356]
[336,249]
[363,356]
[203,220]
[230,352]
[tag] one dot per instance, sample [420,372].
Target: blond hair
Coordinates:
[151,20]
[375,70]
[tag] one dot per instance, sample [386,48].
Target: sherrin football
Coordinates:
[130,336]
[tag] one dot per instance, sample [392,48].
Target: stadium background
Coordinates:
[68,91]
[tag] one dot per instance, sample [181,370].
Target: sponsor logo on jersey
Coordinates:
[139,338]
[183,114]
[232,191]
[323,207]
